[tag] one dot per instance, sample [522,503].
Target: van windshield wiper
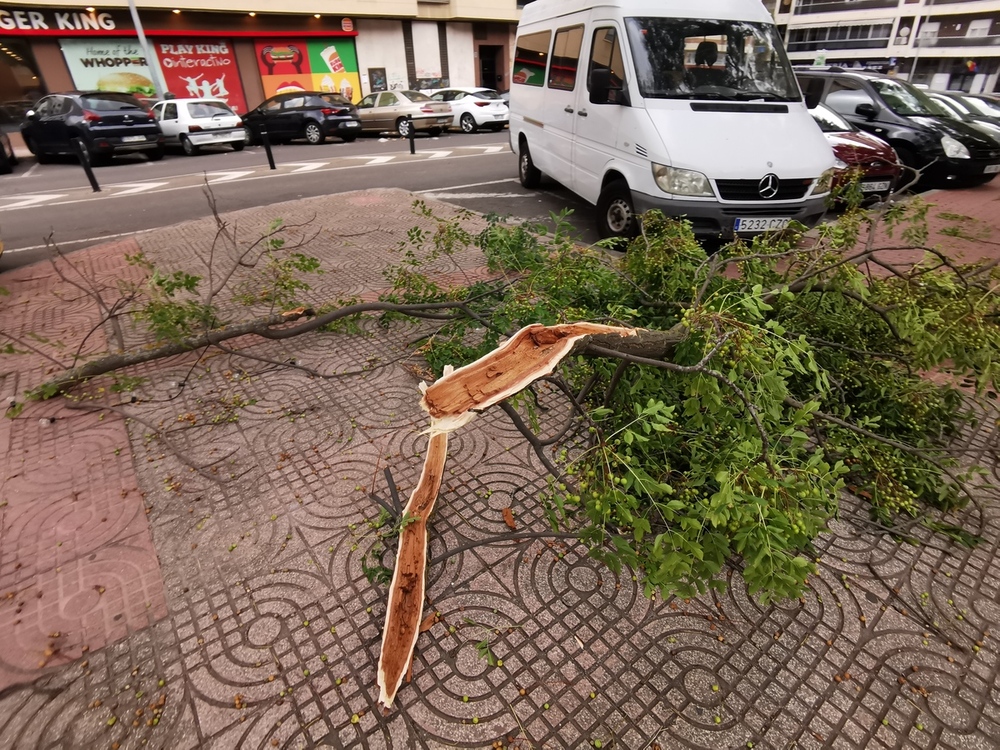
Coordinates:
[703,95]
[768,95]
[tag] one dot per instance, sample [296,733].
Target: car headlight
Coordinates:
[681,181]
[953,149]
[825,181]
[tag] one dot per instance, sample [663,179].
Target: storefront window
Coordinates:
[20,84]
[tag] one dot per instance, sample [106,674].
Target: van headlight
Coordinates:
[681,181]
[954,149]
[825,181]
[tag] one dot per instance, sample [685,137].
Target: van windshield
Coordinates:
[685,58]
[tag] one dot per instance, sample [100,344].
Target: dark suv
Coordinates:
[107,123]
[313,115]
[948,151]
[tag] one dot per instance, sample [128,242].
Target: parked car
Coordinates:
[313,115]
[388,110]
[193,123]
[107,123]
[948,151]
[8,159]
[857,151]
[957,108]
[647,106]
[473,108]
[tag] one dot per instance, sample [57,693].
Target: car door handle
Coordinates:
[582,113]
[568,109]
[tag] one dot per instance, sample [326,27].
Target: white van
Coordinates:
[688,106]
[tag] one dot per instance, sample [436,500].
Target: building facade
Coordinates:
[944,44]
[247,54]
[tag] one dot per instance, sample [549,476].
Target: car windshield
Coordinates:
[946,108]
[486,94]
[209,109]
[415,96]
[682,58]
[829,121]
[109,102]
[904,99]
[982,106]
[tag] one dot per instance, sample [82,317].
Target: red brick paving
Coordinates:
[77,565]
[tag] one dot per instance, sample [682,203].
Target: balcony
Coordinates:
[836,44]
[958,41]
[835,6]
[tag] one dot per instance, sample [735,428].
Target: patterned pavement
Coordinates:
[208,591]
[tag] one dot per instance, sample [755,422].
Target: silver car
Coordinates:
[387,110]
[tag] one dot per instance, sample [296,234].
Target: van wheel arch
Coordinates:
[616,215]
[529,174]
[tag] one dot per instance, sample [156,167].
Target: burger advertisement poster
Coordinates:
[108,65]
[204,69]
[329,65]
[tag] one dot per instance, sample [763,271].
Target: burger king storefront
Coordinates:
[240,58]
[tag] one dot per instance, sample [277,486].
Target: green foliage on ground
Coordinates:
[799,371]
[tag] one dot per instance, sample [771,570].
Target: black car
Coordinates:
[313,115]
[107,123]
[8,159]
[947,150]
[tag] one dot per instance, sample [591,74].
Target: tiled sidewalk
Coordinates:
[227,606]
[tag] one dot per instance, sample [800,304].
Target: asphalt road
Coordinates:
[55,201]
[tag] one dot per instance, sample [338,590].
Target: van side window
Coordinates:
[565,58]
[606,76]
[530,58]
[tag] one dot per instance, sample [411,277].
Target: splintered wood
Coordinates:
[533,352]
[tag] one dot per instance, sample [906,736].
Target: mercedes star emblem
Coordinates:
[768,186]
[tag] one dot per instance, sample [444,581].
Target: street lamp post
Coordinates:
[151,60]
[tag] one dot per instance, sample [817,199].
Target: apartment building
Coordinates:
[245,50]
[945,44]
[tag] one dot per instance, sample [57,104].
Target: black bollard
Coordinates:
[412,134]
[84,157]
[267,147]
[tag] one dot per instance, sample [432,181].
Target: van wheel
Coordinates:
[616,212]
[531,176]
[189,148]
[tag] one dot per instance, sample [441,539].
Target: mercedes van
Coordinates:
[690,107]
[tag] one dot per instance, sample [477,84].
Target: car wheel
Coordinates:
[314,133]
[238,145]
[98,159]
[616,212]
[348,138]
[6,164]
[403,127]
[249,139]
[189,148]
[497,126]
[40,156]
[434,132]
[468,123]
[528,173]
[157,153]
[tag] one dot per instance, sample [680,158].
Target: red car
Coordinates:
[879,165]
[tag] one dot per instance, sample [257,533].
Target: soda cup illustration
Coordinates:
[332,58]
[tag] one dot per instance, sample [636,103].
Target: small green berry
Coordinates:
[475,719]
[885,722]
[161,683]
[111,721]
[592,695]
[718,719]
[598,743]
[322,657]
[305,623]
[499,662]
[715,688]
[339,681]
[920,727]
[355,718]
[305,672]
[465,699]
[546,706]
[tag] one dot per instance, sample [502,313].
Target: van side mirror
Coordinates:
[866,110]
[813,92]
[606,89]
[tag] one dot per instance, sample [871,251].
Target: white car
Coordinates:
[474,107]
[193,123]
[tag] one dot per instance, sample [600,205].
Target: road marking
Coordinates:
[465,187]
[32,170]
[226,176]
[436,154]
[372,160]
[441,195]
[134,188]
[489,149]
[80,242]
[32,200]
[304,166]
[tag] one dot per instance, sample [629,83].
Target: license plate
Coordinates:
[352,124]
[133,138]
[875,187]
[991,169]
[498,117]
[760,224]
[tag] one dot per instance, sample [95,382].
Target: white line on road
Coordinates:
[305,166]
[226,176]
[440,195]
[373,160]
[437,154]
[465,187]
[80,242]
[31,171]
[134,188]
[31,200]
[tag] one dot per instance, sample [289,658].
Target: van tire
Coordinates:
[530,175]
[616,217]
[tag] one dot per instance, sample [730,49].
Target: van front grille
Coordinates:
[749,190]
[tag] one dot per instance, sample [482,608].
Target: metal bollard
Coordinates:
[267,147]
[412,134]
[84,157]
